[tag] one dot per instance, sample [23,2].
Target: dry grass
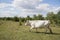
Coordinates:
[10,30]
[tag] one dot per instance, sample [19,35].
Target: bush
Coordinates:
[20,23]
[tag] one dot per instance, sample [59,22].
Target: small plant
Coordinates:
[20,23]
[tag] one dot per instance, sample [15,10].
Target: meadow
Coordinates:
[10,30]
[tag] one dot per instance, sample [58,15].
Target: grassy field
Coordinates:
[10,30]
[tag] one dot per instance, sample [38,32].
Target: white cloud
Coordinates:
[2,5]
[7,13]
[42,6]
[26,3]
[53,9]
[57,9]
[25,7]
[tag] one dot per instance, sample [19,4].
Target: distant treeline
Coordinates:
[53,17]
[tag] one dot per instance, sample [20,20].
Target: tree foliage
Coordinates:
[38,17]
[54,18]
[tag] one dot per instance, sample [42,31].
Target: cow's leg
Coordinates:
[30,29]
[46,29]
[49,29]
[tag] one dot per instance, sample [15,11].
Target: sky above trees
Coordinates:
[28,7]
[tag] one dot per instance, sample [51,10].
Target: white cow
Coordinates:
[39,23]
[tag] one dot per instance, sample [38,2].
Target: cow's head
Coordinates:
[27,23]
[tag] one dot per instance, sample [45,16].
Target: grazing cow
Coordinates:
[39,23]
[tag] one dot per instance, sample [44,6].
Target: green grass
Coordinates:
[10,30]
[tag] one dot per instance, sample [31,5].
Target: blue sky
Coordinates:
[52,2]
[11,8]
[6,1]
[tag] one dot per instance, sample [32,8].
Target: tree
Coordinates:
[28,18]
[52,17]
[38,17]
[58,18]
[16,18]
[34,17]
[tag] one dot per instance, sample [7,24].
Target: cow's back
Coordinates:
[39,23]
